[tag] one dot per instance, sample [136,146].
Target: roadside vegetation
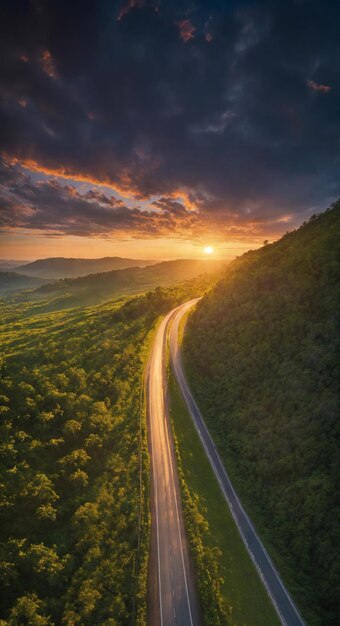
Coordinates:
[74,466]
[262,356]
[230,589]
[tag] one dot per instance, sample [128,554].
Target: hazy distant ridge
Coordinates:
[102,286]
[12,281]
[61,267]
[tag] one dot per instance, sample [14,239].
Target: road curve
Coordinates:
[172,594]
[283,603]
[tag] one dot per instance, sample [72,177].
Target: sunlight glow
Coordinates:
[208,250]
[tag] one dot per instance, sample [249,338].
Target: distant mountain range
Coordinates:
[99,286]
[8,265]
[12,281]
[95,288]
[60,267]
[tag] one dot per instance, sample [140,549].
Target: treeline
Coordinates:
[262,355]
[74,511]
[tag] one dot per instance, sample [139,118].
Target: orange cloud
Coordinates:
[318,87]
[129,5]
[124,189]
[48,64]
[186,198]
[186,30]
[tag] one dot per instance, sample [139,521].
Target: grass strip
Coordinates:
[230,588]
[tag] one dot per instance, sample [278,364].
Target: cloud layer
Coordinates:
[60,209]
[226,113]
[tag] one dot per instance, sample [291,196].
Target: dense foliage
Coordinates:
[73,475]
[262,354]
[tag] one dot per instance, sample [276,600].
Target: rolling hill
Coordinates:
[262,353]
[9,265]
[12,281]
[61,267]
[100,287]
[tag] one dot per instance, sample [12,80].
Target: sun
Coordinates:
[208,250]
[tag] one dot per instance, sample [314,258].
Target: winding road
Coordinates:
[283,603]
[173,599]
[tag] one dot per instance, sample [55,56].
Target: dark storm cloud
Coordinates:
[234,106]
[61,209]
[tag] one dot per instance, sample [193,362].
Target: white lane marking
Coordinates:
[186,394]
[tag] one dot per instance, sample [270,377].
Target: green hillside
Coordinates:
[12,281]
[262,355]
[73,461]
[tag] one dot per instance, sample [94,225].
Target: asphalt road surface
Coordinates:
[172,594]
[283,603]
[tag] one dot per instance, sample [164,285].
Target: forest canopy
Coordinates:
[74,510]
[262,355]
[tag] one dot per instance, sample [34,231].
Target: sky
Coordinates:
[152,129]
